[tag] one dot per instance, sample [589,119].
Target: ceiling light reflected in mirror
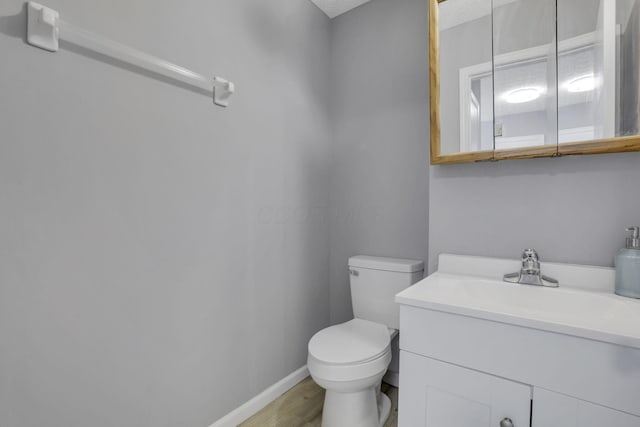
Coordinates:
[582,84]
[522,95]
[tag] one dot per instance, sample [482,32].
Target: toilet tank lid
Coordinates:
[386,264]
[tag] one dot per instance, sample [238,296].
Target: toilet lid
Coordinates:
[356,341]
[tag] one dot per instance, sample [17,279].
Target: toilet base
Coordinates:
[365,408]
[384,407]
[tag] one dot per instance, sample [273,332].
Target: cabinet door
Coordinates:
[557,410]
[437,394]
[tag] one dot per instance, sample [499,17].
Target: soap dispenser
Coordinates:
[628,266]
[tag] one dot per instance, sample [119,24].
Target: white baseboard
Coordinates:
[253,406]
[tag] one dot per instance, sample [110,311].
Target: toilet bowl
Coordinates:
[349,360]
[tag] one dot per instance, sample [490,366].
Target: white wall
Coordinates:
[379,174]
[162,260]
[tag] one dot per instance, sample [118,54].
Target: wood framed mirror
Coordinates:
[514,79]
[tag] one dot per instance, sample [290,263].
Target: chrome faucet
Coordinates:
[530,272]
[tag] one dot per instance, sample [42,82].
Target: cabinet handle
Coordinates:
[506,423]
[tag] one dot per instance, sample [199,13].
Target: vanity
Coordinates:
[477,351]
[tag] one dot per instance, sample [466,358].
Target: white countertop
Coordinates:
[591,311]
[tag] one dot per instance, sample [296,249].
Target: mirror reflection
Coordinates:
[531,74]
[524,73]
[598,42]
[466,77]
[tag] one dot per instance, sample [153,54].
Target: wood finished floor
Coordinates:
[302,407]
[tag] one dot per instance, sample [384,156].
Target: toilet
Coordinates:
[350,359]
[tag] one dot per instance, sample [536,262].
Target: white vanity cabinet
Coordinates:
[554,409]
[437,394]
[458,371]
[478,352]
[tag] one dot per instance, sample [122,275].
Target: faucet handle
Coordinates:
[530,272]
[530,260]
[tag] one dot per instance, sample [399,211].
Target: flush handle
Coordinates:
[354,272]
[507,423]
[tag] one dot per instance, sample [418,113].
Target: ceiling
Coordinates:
[334,8]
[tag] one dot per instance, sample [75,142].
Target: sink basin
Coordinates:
[583,306]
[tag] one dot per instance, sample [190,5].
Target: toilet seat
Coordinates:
[354,342]
[352,351]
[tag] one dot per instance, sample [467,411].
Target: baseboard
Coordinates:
[253,406]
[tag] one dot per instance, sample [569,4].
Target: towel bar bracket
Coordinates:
[42,27]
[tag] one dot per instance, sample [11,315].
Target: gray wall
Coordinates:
[162,260]
[379,174]
[571,209]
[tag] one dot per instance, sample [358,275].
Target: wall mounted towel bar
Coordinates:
[45,28]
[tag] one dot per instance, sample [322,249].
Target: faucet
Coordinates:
[530,272]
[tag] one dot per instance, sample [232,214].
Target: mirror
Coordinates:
[466,77]
[463,68]
[533,78]
[524,67]
[598,42]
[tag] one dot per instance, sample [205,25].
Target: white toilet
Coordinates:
[350,359]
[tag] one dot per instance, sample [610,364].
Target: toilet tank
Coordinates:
[374,283]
